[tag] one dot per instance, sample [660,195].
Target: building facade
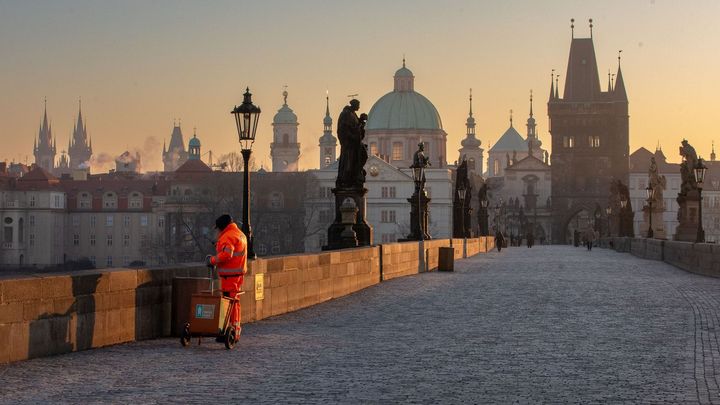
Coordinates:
[285,149]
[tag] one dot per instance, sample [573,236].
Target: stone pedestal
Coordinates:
[689,205]
[658,225]
[363,230]
[418,219]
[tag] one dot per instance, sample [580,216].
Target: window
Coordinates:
[143,220]
[21,230]
[261,249]
[57,202]
[384,192]
[471,164]
[84,201]
[135,201]
[93,220]
[373,149]
[276,200]
[109,200]
[93,260]
[397,151]
[31,220]
[31,241]
[126,240]
[275,249]
[387,216]
[109,261]
[594,141]
[109,240]
[496,167]
[716,223]
[76,240]
[326,192]
[161,222]
[92,239]
[32,200]
[109,220]
[568,141]
[392,192]
[126,221]
[8,238]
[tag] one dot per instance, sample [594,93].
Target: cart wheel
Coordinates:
[230,338]
[185,335]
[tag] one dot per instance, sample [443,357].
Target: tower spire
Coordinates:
[712,154]
[471,101]
[531,111]
[511,123]
[591,26]
[619,90]
[572,28]
[557,87]
[552,84]
[609,88]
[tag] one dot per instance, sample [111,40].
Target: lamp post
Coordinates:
[417,232]
[621,217]
[484,206]
[650,191]
[699,179]
[246,120]
[608,211]
[462,191]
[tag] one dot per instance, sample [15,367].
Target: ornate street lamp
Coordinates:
[699,179]
[484,205]
[418,229]
[246,120]
[462,191]
[650,191]
[608,212]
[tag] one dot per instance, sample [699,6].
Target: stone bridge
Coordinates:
[551,324]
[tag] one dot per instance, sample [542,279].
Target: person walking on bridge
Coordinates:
[499,240]
[230,260]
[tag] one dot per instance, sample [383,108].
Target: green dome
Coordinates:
[403,110]
[194,142]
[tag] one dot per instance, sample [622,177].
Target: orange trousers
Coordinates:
[230,286]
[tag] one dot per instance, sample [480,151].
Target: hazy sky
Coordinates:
[139,64]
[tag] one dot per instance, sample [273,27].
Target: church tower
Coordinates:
[328,143]
[79,147]
[45,147]
[285,149]
[175,154]
[534,143]
[194,147]
[471,149]
[590,140]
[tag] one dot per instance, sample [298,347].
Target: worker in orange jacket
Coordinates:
[230,260]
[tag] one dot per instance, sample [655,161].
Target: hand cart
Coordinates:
[210,317]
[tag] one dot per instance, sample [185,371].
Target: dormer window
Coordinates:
[84,200]
[135,201]
[110,200]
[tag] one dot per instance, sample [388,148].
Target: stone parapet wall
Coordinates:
[46,314]
[699,258]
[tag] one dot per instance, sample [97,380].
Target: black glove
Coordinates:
[208,261]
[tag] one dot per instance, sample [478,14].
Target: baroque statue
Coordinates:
[353,152]
[689,161]
[657,182]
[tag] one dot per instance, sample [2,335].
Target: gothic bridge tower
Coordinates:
[590,141]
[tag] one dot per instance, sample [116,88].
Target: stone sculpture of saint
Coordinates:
[353,152]
[420,160]
[656,181]
[687,167]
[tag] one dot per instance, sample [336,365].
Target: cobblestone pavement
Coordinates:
[547,324]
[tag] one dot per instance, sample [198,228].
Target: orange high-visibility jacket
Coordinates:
[231,257]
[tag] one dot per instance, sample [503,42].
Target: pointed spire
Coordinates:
[609,88]
[557,87]
[471,101]
[591,26]
[403,60]
[285,94]
[511,123]
[712,154]
[327,103]
[572,28]
[552,84]
[531,111]
[619,90]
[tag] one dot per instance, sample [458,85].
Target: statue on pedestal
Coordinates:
[656,203]
[688,198]
[350,180]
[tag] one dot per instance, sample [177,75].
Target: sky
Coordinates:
[140,65]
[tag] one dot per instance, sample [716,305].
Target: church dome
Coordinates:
[403,108]
[285,114]
[470,142]
[194,141]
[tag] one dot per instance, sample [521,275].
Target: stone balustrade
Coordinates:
[46,314]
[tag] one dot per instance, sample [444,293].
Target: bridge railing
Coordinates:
[47,314]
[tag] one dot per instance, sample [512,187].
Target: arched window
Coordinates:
[496,167]
[135,201]
[21,230]
[471,164]
[397,151]
[109,200]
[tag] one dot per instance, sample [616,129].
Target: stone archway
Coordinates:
[579,219]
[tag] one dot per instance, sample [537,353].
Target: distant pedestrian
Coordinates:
[499,240]
[530,239]
[589,239]
[576,238]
